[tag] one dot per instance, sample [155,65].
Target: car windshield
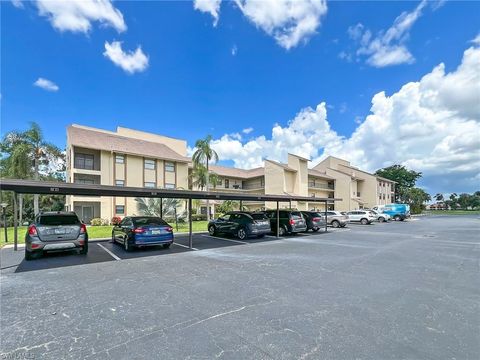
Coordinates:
[59,220]
[258,216]
[148,221]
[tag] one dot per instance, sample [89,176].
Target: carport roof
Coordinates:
[60,188]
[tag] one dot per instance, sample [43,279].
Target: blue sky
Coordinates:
[204,79]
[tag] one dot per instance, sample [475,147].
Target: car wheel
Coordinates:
[32,255]
[260,236]
[166,246]
[84,250]
[281,231]
[241,234]
[335,224]
[397,218]
[113,238]
[364,222]
[315,229]
[381,219]
[211,230]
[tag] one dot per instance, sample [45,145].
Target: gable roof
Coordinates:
[109,141]
[319,174]
[285,166]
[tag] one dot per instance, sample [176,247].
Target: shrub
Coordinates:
[116,220]
[96,222]
[199,217]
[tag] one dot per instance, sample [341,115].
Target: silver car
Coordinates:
[55,231]
[336,219]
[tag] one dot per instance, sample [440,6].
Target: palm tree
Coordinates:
[438,197]
[27,148]
[200,177]
[202,156]
[151,207]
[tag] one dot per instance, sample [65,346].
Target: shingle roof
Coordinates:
[285,166]
[104,140]
[319,174]
[236,172]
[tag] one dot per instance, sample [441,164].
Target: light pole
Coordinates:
[4,211]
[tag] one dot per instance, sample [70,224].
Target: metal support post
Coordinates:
[278,221]
[190,239]
[15,221]
[325,216]
[161,208]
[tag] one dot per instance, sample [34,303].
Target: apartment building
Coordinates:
[125,157]
[128,157]
[358,189]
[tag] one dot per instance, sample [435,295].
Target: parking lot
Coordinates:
[400,290]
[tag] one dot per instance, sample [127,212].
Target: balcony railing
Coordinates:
[315,185]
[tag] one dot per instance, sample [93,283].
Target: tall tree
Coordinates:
[26,154]
[438,197]
[41,151]
[416,198]
[203,155]
[405,179]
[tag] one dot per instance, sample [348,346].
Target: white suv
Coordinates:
[364,217]
[381,217]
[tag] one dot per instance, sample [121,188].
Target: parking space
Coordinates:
[382,291]
[105,250]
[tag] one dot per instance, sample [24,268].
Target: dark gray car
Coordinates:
[55,231]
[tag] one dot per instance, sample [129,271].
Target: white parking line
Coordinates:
[231,240]
[108,251]
[184,246]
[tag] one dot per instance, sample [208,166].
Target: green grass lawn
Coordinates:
[452,212]
[96,232]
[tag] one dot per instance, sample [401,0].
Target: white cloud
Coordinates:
[130,61]
[432,126]
[78,15]
[209,6]
[247,130]
[476,40]
[288,21]
[387,47]
[18,4]
[46,84]
[234,50]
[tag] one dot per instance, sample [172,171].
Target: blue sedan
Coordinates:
[140,231]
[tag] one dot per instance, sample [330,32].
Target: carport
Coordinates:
[45,187]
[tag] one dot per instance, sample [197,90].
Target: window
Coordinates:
[120,209]
[119,183]
[169,186]
[120,159]
[84,181]
[169,166]
[149,184]
[380,196]
[227,183]
[149,164]
[383,196]
[219,182]
[358,194]
[84,161]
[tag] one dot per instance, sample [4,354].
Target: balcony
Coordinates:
[321,186]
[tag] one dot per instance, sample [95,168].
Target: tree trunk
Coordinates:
[35,196]
[208,186]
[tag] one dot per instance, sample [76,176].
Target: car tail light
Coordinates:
[292,222]
[317,219]
[169,229]
[35,246]
[32,230]
[81,242]
[83,229]
[139,230]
